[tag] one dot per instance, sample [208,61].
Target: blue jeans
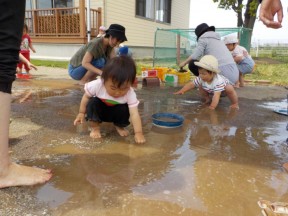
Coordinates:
[77,73]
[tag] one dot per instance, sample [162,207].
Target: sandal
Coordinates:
[267,212]
[276,207]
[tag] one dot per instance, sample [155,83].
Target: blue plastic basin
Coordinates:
[167,120]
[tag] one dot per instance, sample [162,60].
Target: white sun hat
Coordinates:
[230,39]
[209,63]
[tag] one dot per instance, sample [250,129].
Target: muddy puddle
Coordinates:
[218,163]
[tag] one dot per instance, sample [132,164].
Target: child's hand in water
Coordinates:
[180,92]
[79,119]
[139,137]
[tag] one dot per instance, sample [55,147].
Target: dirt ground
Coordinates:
[215,161]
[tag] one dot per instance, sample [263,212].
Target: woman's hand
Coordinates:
[182,64]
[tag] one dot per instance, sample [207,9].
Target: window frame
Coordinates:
[166,8]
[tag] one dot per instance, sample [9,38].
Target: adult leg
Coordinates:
[12,174]
[89,76]
[11,25]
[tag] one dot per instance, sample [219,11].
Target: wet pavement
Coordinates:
[218,163]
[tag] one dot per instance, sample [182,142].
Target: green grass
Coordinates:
[277,74]
[266,69]
[48,63]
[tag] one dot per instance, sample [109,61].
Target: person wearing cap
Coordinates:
[209,43]
[211,83]
[101,32]
[244,61]
[87,63]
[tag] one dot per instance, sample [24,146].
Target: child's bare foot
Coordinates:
[95,132]
[241,83]
[19,175]
[234,106]
[122,131]
[237,85]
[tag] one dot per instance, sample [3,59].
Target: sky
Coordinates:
[207,11]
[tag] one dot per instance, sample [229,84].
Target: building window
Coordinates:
[163,11]
[42,4]
[28,4]
[159,10]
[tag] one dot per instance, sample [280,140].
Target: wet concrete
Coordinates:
[218,163]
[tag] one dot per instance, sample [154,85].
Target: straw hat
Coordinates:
[231,39]
[209,63]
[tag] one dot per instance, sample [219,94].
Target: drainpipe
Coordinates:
[104,16]
[88,20]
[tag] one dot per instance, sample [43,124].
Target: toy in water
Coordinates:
[281,111]
[167,120]
[150,82]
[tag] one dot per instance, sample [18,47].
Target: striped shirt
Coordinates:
[217,85]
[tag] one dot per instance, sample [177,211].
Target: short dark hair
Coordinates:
[107,35]
[120,69]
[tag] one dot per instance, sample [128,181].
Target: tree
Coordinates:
[237,5]
[249,15]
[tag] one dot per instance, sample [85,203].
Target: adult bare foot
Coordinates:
[19,175]
[285,166]
[122,131]
[95,132]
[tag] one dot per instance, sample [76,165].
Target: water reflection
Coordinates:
[218,163]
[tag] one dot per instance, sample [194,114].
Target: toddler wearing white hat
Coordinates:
[244,61]
[211,84]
